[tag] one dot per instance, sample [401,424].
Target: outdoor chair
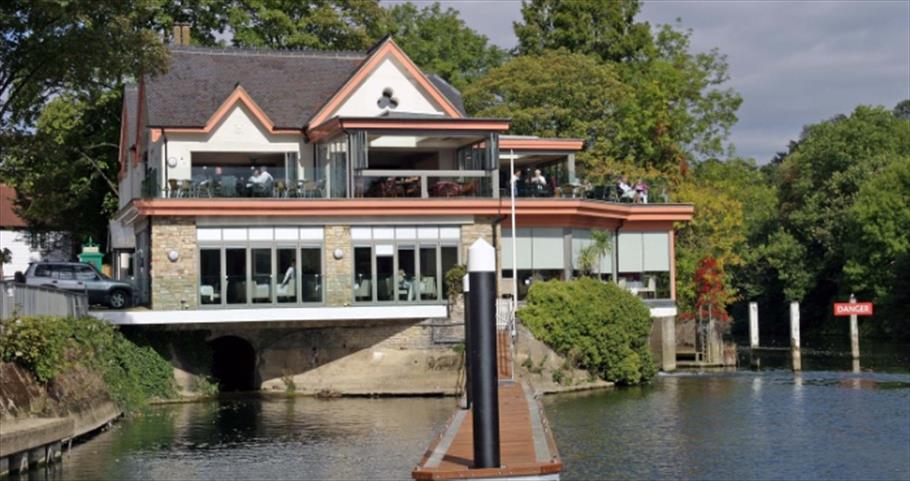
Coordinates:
[173,188]
[363,290]
[185,189]
[294,190]
[281,189]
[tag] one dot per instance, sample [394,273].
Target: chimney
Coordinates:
[180,34]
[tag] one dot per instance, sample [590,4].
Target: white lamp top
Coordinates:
[481,257]
[466,283]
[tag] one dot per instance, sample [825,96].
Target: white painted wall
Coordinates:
[362,103]
[17,241]
[238,132]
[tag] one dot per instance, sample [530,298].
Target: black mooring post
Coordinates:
[485,390]
[468,353]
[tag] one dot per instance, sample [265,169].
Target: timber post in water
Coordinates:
[753,335]
[794,335]
[854,331]
[485,385]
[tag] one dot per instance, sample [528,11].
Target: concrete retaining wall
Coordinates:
[35,418]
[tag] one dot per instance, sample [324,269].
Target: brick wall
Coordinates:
[174,283]
[339,273]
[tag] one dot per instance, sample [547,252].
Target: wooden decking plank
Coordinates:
[519,450]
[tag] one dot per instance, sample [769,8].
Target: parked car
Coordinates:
[81,277]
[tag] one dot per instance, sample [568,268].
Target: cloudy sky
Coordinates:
[794,62]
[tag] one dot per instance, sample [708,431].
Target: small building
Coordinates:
[308,186]
[25,245]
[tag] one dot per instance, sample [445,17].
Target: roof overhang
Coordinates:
[333,127]
[540,144]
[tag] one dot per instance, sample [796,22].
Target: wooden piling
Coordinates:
[794,336]
[854,331]
[754,360]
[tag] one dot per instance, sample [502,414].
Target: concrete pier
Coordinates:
[32,442]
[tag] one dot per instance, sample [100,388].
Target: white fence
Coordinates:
[23,300]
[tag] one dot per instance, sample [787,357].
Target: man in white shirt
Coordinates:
[516,178]
[538,178]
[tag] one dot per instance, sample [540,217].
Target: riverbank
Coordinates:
[65,377]
[36,419]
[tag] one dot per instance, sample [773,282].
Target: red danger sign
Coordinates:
[848,309]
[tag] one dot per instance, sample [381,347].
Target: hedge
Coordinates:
[596,325]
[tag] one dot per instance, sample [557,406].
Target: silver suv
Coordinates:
[80,277]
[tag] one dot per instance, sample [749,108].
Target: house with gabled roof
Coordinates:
[261,186]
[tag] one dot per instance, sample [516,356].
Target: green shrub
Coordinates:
[455,281]
[48,346]
[598,325]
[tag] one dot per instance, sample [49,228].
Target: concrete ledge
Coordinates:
[210,316]
[28,434]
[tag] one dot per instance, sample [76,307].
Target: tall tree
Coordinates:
[65,172]
[556,94]
[315,24]
[48,47]
[682,109]
[606,28]
[440,42]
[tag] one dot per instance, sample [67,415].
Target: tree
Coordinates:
[49,47]
[716,232]
[877,244]
[679,109]
[315,24]
[439,42]
[604,27]
[554,94]
[589,257]
[65,172]
[902,110]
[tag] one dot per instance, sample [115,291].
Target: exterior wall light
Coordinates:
[173,256]
[172,162]
[338,253]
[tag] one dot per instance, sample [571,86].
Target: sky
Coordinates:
[793,62]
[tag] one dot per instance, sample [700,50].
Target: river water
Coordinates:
[772,424]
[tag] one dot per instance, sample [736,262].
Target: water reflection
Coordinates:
[261,438]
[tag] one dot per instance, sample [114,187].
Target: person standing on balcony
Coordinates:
[641,191]
[539,182]
[516,178]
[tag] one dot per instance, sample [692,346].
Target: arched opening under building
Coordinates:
[233,364]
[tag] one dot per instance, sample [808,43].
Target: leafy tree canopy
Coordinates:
[49,47]
[316,24]
[679,109]
[440,42]
[65,172]
[605,28]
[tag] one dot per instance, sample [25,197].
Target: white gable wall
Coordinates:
[240,131]
[363,102]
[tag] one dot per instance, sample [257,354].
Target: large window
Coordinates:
[260,265]
[403,264]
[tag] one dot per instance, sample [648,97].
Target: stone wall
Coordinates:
[174,283]
[339,273]
[481,228]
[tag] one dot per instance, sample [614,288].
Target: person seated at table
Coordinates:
[538,178]
[261,180]
[627,193]
[641,191]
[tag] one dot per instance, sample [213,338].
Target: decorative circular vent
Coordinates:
[388,99]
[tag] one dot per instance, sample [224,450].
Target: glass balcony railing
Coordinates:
[423,184]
